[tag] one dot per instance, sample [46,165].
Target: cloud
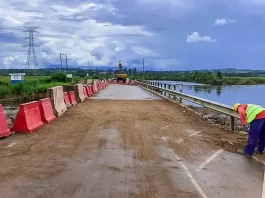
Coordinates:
[144,51]
[67,27]
[195,37]
[223,21]
[102,32]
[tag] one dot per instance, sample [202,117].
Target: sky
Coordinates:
[168,34]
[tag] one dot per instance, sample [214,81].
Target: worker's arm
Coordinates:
[242,114]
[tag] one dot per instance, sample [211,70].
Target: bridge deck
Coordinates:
[113,148]
[124,92]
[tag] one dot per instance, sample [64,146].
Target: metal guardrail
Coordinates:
[166,90]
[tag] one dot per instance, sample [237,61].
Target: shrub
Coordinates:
[4,91]
[58,77]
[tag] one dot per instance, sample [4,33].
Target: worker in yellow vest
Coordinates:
[253,115]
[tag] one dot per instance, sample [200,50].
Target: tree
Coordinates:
[134,71]
[219,75]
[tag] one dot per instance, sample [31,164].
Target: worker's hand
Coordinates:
[246,129]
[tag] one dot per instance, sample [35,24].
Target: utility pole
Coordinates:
[143,66]
[31,56]
[62,61]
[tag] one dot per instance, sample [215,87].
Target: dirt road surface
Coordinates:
[128,148]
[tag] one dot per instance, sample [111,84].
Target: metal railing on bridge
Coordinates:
[171,91]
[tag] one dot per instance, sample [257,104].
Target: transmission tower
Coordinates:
[31,56]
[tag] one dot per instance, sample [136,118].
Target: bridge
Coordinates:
[129,141]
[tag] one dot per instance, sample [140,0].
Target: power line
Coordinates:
[31,56]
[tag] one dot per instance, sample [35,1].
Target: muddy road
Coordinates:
[128,148]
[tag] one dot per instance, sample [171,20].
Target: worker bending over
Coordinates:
[255,116]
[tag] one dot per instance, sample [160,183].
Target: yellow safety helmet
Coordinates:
[236,106]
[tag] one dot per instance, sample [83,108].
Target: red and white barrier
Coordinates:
[28,118]
[4,130]
[72,99]
[67,100]
[46,111]
[57,99]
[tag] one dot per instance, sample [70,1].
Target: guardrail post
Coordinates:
[180,90]
[174,88]
[168,87]
[232,123]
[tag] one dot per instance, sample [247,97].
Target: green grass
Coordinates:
[31,86]
[243,80]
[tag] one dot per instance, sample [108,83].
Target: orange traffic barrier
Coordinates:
[67,99]
[57,99]
[93,89]
[85,93]
[95,86]
[46,111]
[79,93]
[133,82]
[28,118]
[72,99]
[4,130]
[90,90]
[99,86]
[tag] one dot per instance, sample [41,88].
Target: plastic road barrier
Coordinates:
[72,99]
[85,93]
[79,93]
[57,99]
[46,111]
[28,119]
[67,100]
[4,130]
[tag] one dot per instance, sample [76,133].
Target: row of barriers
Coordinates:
[33,115]
[128,82]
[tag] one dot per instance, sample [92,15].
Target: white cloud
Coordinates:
[12,62]
[66,27]
[143,51]
[195,37]
[8,60]
[223,21]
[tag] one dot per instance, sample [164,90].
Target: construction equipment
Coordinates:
[121,75]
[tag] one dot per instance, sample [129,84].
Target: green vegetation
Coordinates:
[209,78]
[38,81]
[32,86]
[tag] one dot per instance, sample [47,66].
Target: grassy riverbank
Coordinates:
[32,86]
[203,78]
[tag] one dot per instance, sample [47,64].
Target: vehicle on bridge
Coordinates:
[121,75]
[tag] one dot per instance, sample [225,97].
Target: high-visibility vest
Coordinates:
[252,111]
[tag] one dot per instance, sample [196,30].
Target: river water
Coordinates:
[229,95]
